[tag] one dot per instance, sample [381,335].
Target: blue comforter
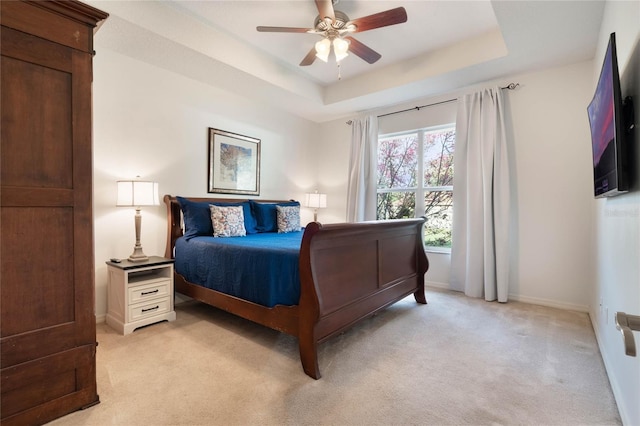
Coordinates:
[261,268]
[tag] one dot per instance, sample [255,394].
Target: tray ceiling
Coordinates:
[443,46]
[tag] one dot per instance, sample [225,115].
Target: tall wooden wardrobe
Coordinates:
[47,308]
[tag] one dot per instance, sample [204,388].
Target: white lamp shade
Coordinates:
[137,193]
[340,48]
[316,201]
[323,47]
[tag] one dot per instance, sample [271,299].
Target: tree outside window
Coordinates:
[415,174]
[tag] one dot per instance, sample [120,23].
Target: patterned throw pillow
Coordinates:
[227,221]
[288,218]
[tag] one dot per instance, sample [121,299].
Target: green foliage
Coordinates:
[439,214]
[396,205]
[437,237]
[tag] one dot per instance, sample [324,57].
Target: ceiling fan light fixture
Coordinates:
[335,27]
[340,48]
[323,47]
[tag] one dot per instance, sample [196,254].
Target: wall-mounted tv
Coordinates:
[609,119]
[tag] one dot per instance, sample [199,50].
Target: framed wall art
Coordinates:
[234,163]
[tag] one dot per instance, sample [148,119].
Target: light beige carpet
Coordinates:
[456,360]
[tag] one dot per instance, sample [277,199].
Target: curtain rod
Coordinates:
[510,86]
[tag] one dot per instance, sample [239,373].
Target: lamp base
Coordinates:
[138,255]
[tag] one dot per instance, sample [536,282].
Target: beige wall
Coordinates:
[553,253]
[153,123]
[617,227]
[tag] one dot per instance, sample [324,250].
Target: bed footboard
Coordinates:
[350,271]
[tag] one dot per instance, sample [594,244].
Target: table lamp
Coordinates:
[136,193]
[315,201]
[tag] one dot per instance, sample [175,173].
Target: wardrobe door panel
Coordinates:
[26,160]
[36,297]
[47,318]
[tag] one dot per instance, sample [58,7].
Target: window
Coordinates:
[415,178]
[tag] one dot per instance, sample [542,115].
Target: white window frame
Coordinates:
[421,189]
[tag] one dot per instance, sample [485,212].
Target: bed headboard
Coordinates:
[174,216]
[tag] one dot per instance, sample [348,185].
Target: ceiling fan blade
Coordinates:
[363,51]
[325,9]
[382,19]
[308,60]
[281,30]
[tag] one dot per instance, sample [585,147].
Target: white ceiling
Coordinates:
[431,25]
[443,46]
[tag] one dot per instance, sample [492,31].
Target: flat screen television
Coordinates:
[609,118]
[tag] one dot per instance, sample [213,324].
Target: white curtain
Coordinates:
[481,198]
[361,189]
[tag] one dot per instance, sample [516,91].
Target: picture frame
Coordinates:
[234,163]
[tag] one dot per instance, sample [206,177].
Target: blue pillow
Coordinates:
[267,216]
[197,217]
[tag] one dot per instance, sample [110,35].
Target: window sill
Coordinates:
[440,250]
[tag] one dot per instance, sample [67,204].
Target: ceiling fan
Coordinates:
[334,27]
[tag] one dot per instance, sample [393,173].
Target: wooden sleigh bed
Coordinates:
[348,271]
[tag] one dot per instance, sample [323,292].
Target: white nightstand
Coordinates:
[140,293]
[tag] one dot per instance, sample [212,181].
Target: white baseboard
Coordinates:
[434,284]
[525,299]
[445,286]
[550,303]
[181,298]
[615,386]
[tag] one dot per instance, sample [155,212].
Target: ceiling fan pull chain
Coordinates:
[339,76]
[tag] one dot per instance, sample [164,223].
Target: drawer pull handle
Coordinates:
[151,309]
[144,293]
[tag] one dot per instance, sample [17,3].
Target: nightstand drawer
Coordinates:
[153,290]
[149,309]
